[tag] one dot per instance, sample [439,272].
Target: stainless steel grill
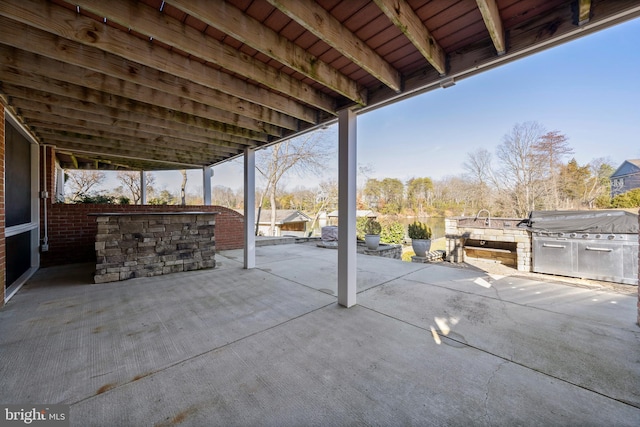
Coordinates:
[601,245]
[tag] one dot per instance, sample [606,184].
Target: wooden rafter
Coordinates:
[174,33]
[403,17]
[51,91]
[63,123]
[491,17]
[74,141]
[87,113]
[61,70]
[242,27]
[320,22]
[92,45]
[125,161]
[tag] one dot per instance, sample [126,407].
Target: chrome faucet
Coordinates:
[487,220]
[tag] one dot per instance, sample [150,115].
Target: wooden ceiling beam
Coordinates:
[96,137]
[99,161]
[22,62]
[145,20]
[321,23]
[47,91]
[132,162]
[155,146]
[245,29]
[584,11]
[85,42]
[93,114]
[403,17]
[73,141]
[56,122]
[493,22]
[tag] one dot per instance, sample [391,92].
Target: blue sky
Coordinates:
[588,89]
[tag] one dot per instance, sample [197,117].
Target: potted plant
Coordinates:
[372,234]
[420,235]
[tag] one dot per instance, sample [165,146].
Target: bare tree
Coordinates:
[478,166]
[521,174]
[308,154]
[224,196]
[130,181]
[81,181]
[480,173]
[419,194]
[552,147]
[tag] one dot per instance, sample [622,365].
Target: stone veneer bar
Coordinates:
[138,244]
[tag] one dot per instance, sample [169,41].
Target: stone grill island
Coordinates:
[140,244]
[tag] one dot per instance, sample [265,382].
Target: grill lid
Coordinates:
[603,221]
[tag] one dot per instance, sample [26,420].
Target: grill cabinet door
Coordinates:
[600,260]
[553,256]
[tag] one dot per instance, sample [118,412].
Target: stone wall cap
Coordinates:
[149,213]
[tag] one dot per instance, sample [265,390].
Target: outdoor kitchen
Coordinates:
[598,245]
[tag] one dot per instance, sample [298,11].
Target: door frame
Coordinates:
[32,227]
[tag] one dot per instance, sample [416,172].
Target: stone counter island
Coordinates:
[139,244]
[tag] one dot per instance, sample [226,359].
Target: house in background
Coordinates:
[289,222]
[626,177]
[333,216]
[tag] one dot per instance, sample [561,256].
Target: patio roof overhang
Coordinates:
[180,84]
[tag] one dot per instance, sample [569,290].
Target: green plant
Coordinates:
[392,232]
[419,230]
[630,199]
[361,225]
[372,227]
[94,199]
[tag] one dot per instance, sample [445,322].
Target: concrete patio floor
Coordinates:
[427,344]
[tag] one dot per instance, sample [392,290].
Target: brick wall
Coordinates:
[50,170]
[72,232]
[2,247]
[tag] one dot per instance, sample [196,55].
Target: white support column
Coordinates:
[143,188]
[59,185]
[207,173]
[347,167]
[249,208]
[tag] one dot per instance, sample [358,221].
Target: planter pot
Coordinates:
[372,241]
[421,246]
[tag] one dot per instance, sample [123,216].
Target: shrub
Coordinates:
[94,199]
[419,230]
[372,227]
[392,233]
[630,199]
[361,223]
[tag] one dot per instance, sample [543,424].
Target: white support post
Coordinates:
[59,185]
[207,173]
[143,188]
[347,166]
[249,208]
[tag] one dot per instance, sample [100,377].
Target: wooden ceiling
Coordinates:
[177,84]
